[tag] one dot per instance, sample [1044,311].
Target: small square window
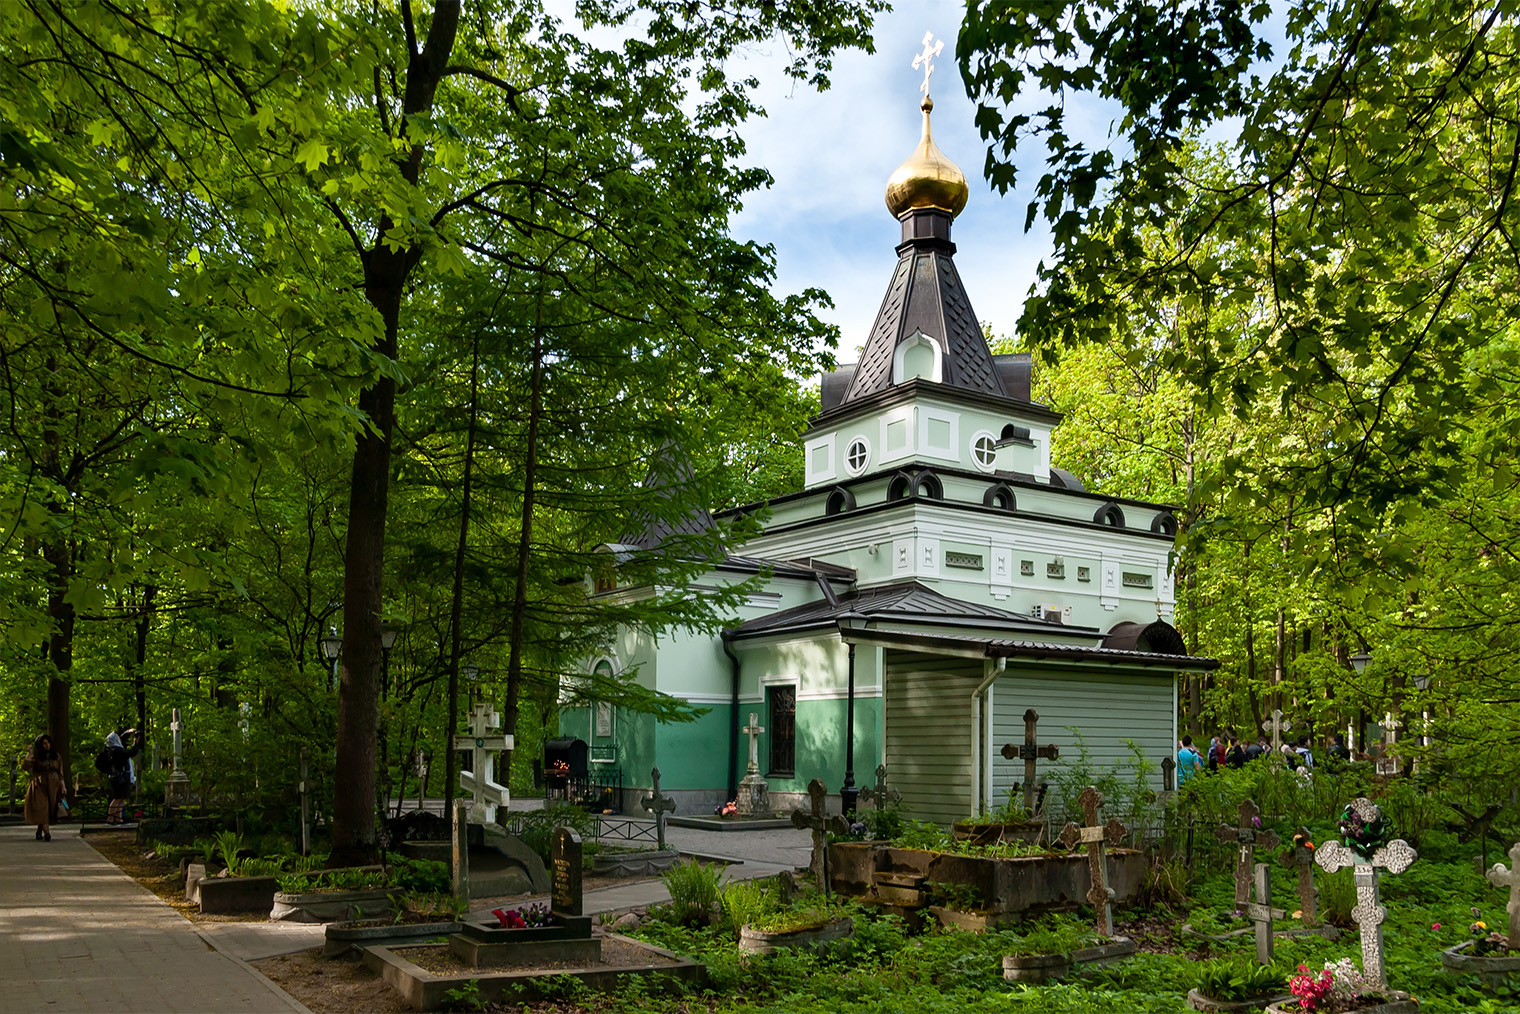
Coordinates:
[1055,570]
[1084,573]
[1026,568]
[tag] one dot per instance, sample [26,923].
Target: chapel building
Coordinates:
[935,575]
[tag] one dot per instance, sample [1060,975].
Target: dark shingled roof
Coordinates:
[926,295]
[906,603]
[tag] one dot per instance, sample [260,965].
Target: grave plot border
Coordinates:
[753,941]
[1045,967]
[1399,1003]
[1209,1005]
[1493,970]
[341,938]
[425,990]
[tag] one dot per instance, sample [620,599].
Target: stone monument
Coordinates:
[177,786]
[658,805]
[754,794]
[486,794]
[820,824]
[1362,825]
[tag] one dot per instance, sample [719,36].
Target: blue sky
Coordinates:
[831,154]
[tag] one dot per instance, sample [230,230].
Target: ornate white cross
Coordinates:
[487,795]
[932,48]
[753,731]
[1509,877]
[175,727]
[1395,857]
[1277,725]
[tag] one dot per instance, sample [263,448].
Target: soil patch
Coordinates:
[332,985]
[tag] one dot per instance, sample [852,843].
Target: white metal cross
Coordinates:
[1501,877]
[753,731]
[1369,913]
[486,794]
[932,48]
[1277,725]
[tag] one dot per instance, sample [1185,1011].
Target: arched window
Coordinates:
[901,487]
[1165,523]
[917,357]
[926,484]
[1109,514]
[1000,496]
[840,500]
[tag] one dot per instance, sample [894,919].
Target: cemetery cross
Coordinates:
[1261,913]
[1027,751]
[1395,857]
[753,731]
[821,825]
[1301,855]
[1248,835]
[1100,895]
[658,805]
[485,793]
[881,795]
[1277,725]
[1502,876]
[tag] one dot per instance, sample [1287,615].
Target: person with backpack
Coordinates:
[115,762]
[1235,756]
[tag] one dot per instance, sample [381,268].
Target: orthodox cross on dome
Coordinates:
[1247,836]
[932,47]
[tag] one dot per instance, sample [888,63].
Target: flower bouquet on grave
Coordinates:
[1363,828]
[728,809]
[1485,943]
[533,916]
[1339,986]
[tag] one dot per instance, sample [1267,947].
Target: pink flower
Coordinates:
[1435,925]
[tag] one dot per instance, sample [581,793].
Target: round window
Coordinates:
[857,455]
[984,451]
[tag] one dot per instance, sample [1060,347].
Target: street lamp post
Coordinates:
[849,794]
[331,647]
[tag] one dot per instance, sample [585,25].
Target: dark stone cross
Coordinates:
[881,795]
[1247,836]
[1094,835]
[1300,854]
[567,871]
[820,824]
[1262,913]
[658,805]
[1502,876]
[1027,752]
[1169,775]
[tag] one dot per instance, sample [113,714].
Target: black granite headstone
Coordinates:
[567,872]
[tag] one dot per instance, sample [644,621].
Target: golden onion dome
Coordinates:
[927,179]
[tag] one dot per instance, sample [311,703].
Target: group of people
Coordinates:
[47,790]
[1226,750]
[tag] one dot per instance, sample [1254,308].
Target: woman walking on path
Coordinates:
[46,788]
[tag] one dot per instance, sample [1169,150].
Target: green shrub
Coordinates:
[254,867]
[228,845]
[884,824]
[536,828]
[795,919]
[1240,979]
[743,902]
[693,891]
[1054,936]
[419,874]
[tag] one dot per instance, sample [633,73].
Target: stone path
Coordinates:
[77,934]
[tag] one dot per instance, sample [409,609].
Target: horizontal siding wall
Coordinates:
[928,708]
[1109,712]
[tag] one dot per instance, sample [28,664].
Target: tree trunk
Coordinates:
[456,604]
[385,275]
[139,660]
[525,539]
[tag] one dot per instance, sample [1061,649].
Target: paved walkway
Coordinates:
[77,934]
